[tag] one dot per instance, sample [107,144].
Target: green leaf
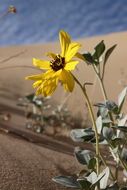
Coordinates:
[111,106]
[123,188]
[30,97]
[121,128]
[82,172]
[116,141]
[106,121]
[88,58]
[108,53]
[108,133]
[104,180]
[103,112]
[99,124]
[100,105]
[121,98]
[113,187]
[99,49]
[83,156]
[82,135]
[92,178]
[92,163]
[122,121]
[84,184]
[67,181]
[124,155]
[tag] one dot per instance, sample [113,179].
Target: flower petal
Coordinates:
[71,65]
[39,90]
[48,74]
[35,77]
[51,55]
[67,79]
[72,50]
[49,86]
[64,41]
[41,64]
[37,83]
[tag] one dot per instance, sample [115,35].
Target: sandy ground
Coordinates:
[25,165]
[28,165]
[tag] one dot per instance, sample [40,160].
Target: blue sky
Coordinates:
[40,21]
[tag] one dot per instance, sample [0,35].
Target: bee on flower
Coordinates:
[58,68]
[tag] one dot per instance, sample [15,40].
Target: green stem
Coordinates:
[117,171]
[102,89]
[93,121]
[101,83]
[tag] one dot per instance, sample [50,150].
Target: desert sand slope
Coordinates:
[24,165]
[16,63]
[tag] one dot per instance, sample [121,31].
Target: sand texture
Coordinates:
[27,160]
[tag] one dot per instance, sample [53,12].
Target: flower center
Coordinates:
[58,63]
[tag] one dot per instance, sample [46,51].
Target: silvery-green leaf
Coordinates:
[124,155]
[121,128]
[107,133]
[99,124]
[67,181]
[111,106]
[92,178]
[122,121]
[121,98]
[103,112]
[83,156]
[106,121]
[82,135]
[104,180]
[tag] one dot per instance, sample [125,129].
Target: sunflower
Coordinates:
[58,68]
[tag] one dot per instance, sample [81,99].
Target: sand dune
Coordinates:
[23,164]
[18,63]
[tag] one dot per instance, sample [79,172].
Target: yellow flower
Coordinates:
[58,68]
